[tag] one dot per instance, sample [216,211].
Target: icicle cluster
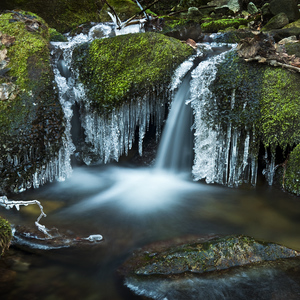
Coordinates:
[111,135]
[221,155]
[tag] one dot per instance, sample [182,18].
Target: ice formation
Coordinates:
[221,156]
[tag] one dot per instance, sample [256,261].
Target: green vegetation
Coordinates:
[117,69]
[64,15]
[217,253]
[5,235]
[292,175]
[280,108]
[31,117]
[221,24]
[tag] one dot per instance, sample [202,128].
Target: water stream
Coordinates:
[133,206]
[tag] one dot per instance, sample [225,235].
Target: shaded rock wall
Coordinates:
[31,118]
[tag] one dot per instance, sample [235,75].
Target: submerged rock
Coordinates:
[31,118]
[257,281]
[203,255]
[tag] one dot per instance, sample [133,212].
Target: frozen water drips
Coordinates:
[221,152]
[109,136]
[270,169]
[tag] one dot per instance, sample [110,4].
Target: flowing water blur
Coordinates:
[132,207]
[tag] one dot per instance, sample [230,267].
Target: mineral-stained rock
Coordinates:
[203,255]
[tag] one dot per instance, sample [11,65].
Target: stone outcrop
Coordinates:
[31,118]
[115,70]
[203,255]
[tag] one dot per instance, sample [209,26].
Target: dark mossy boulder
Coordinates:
[291,177]
[221,24]
[277,22]
[31,127]
[293,48]
[202,255]
[118,69]
[265,96]
[5,235]
[67,14]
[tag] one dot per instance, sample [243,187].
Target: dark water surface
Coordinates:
[130,208]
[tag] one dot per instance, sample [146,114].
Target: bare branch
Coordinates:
[8,204]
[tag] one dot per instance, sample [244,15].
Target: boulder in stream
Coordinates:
[202,255]
[116,70]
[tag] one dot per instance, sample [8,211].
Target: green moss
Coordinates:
[117,69]
[198,257]
[32,118]
[215,26]
[124,9]
[280,108]
[62,15]
[56,36]
[292,175]
[27,44]
[5,235]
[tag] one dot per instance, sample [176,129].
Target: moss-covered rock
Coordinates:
[293,48]
[221,24]
[203,255]
[30,114]
[67,14]
[117,69]
[291,179]
[265,97]
[5,235]
[280,107]
[277,22]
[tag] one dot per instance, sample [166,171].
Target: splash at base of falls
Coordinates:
[134,191]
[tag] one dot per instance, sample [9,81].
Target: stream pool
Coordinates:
[131,207]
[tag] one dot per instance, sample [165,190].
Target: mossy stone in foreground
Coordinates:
[200,256]
[5,235]
[118,69]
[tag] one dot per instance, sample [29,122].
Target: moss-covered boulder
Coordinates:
[118,69]
[221,24]
[31,117]
[68,14]
[259,99]
[203,255]
[277,22]
[5,235]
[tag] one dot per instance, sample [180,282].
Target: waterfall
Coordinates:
[175,150]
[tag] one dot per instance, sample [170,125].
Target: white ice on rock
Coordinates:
[221,156]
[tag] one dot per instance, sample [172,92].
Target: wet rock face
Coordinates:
[31,118]
[205,254]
